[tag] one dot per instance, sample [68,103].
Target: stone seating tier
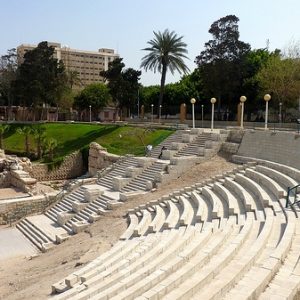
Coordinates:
[225,238]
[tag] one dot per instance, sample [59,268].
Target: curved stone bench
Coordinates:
[217,206]
[187,215]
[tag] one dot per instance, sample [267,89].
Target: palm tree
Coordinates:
[39,133]
[50,144]
[166,52]
[3,129]
[26,131]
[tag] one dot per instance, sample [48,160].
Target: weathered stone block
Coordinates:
[79,226]
[119,182]
[63,218]
[78,206]
[92,192]
[133,171]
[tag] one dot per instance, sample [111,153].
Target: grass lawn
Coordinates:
[71,137]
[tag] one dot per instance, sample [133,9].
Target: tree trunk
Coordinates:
[27,144]
[1,140]
[162,87]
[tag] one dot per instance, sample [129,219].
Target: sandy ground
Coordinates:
[31,278]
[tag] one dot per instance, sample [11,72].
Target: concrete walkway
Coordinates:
[13,244]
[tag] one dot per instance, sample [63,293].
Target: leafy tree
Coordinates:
[96,94]
[221,63]
[40,78]
[166,52]
[3,129]
[73,78]
[254,61]
[26,131]
[39,133]
[280,76]
[50,145]
[123,84]
[8,69]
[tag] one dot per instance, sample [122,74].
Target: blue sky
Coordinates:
[127,25]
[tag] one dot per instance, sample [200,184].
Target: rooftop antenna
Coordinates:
[267,44]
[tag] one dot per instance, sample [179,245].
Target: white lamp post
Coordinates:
[280,113]
[212,101]
[152,113]
[193,101]
[267,98]
[159,112]
[202,107]
[242,99]
[90,113]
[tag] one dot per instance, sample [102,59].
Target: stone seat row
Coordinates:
[255,236]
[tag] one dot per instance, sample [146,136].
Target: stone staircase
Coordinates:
[144,181]
[229,237]
[85,205]
[175,137]
[196,147]
[118,170]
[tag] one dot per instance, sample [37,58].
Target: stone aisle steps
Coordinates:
[41,240]
[192,149]
[119,170]
[225,238]
[175,137]
[148,174]
[65,205]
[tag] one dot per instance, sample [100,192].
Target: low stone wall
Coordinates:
[99,158]
[13,210]
[71,167]
[281,147]
[231,148]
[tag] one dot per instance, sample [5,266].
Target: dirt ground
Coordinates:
[31,278]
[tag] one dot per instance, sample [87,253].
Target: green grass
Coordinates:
[71,137]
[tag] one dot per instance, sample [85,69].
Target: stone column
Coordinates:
[239,114]
[142,112]
[182,113]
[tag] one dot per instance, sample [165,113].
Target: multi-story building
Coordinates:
[87,64]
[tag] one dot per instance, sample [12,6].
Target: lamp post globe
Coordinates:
[212,101]
[267,98]
[242,99]
[152,105]
[193,101]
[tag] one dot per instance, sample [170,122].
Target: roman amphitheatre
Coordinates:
[215,217]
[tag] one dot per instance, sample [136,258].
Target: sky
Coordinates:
[127,25]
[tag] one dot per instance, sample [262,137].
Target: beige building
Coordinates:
[88,64]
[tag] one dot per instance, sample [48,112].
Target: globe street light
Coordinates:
[202,107]
[193,101]
[90,113]
[152,113]
[159,112]
[267,98]
[280,114]
[212,101]
[242,99]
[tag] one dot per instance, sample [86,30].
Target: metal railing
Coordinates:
[292,192]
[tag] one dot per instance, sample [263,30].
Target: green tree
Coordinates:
[26,131]
[95,95]
[73,78]
[123,84]
[39,133]
[50,145]
[8,71]
[167,51]
[41,78]
[221,63]
[3,129]
[280,76]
